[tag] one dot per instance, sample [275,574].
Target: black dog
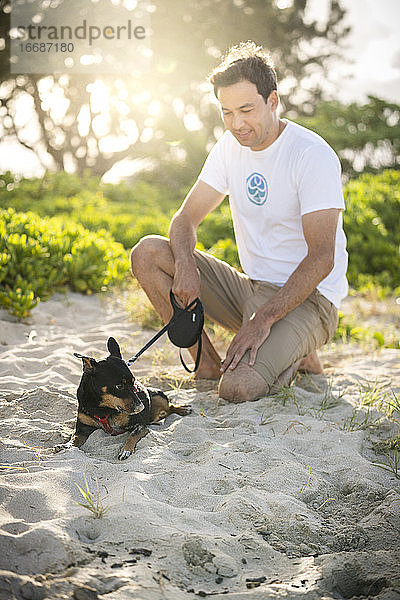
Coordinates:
[110,398]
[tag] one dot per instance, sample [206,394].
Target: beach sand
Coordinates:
[278,498]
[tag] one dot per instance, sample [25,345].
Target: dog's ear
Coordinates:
[113,347]
[88,364]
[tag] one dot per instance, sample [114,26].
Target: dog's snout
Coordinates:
[137,408]
[136,404]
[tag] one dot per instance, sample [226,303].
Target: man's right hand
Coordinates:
[186,283]
[200,201]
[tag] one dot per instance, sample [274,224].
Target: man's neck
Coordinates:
[278,128]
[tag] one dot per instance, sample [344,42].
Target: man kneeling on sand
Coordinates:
[286,201]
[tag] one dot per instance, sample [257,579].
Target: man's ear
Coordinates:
[273,100]
[88,363]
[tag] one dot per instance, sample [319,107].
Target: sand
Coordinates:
[270,499]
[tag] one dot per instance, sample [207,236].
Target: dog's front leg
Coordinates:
[81,434]
[137,433]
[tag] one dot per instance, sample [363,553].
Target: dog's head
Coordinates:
[111,382]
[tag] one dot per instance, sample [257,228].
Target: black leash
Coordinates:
[197,361]
[178,313]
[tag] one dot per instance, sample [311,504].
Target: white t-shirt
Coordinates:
[269,191]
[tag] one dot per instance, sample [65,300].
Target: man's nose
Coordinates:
[237,122]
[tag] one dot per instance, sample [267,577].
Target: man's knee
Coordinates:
[146,251]
[243,384]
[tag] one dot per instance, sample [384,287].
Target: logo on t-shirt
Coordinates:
[257,188]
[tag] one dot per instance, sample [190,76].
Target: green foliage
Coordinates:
[127,212]
[226,250]
[92,501]
[386,446]
[51,187]
[366,136]
[379,396]
[349,331]
[353,423]
[392,464]
[216,226]
[76,247]
[40,255]
[371,222]
[215,234]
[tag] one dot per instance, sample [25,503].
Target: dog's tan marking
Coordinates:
[115,403]
[86,420]
[88,364]
[160,409]
[79,439]
[179,410]
[132,440]
[120,421]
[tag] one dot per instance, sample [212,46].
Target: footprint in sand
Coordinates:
[15,527]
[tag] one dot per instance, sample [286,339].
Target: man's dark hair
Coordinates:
[246,61]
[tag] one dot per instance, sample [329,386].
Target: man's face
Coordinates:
[248,117]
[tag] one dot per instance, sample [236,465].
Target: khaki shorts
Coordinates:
[230,298]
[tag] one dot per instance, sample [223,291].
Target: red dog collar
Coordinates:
[106,425]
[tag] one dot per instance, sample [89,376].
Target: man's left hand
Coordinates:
[251,336]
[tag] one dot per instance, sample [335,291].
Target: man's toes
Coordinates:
[311,364]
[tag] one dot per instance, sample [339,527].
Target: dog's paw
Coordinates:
[124,454]
[181,410]
[59,447]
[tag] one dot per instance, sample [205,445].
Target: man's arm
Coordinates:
[319,230]
[200,201]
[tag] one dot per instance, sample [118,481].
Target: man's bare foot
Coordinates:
[210,361]
[311,364]
[285,378]
[208,372]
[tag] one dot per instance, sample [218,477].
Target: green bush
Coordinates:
[39,256]
[226,250]
[73,248]
[216,226]
[371,223]
[126,212]
[349,331]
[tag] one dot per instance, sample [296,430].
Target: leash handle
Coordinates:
[161,332]
[175,304]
